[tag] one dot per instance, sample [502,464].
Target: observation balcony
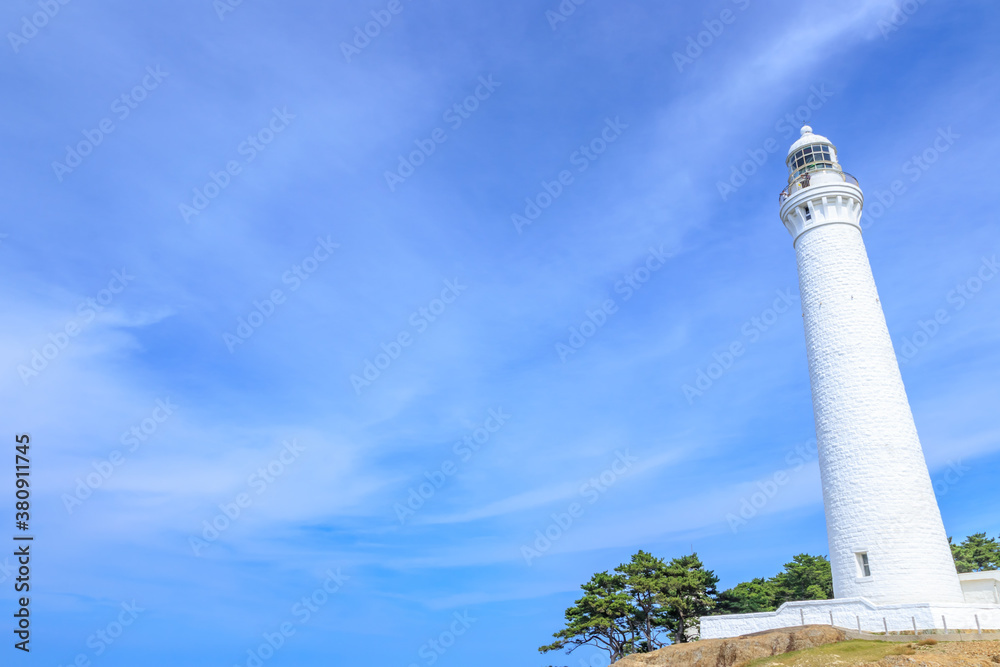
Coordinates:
[821,177]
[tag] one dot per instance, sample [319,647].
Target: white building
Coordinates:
[892,566]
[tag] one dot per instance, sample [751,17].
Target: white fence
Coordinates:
[860,616]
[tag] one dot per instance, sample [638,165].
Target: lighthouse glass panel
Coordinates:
[811,158]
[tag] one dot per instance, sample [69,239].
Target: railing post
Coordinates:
[944,622]
[859,624]
[914,619]
[802,614]
[885,624]
[979,628]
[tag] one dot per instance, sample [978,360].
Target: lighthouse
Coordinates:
[892,565]
[887,541]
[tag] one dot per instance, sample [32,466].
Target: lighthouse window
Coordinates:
[810,155]
[864,570]
[815,157]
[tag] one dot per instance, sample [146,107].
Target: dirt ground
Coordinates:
[737,651]
[882,654]
[817,646]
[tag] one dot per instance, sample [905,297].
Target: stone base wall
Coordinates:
[851,612]
[981,587]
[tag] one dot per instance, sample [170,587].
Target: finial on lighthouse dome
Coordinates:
[806,130]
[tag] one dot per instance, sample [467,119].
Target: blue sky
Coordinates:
[300,225]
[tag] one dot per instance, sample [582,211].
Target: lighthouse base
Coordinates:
[861,615]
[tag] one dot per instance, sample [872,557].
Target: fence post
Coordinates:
[885,624]
[978,627]
[802,614]
[859,624]
[944,622]
[914,619]
[831,618]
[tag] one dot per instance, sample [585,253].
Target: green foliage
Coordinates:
[645,575]
[649,602]
[976,554]
[748,597]
[689,593]
[631,610]
[805,578]
[603,617]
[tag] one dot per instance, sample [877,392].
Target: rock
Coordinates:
[738,650]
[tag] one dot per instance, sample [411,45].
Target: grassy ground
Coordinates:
[845,653]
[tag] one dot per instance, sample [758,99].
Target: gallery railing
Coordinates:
[803,182]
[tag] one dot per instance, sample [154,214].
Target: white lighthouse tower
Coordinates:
[887,541]
[892,566]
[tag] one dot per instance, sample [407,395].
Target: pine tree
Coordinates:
[689,594]
[748,597]
[604,617]
[976,554]
[805,578]
[645,576]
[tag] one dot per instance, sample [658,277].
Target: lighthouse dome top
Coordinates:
[810,153]
[807,139]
